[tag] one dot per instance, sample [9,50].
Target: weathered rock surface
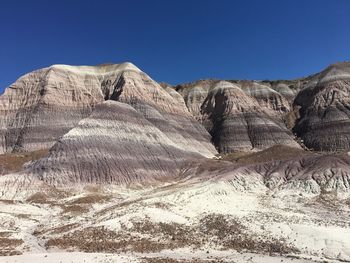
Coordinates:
[240,115]
[267,97]
[276,96]
[280,168]
[116,144]
[312,173]
[238,122]
[324,121]
[45,104]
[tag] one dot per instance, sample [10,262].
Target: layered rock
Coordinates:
[116,144]
[237,122]
[280,169]
[45,104]
[267,97]
[194,95]
[275,96]
[163,110]
[230,115]
[324,104]
[311,173]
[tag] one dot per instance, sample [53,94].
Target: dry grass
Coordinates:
[51,196]
[13,162]
[99,239]
[146,236]
[74,209]
[55,230]
[8,246]
[7,202]
[172,235]
[171,260]
[91,199]
[5,234]
[231,234]
[38,198]
[118,205]
[277,152]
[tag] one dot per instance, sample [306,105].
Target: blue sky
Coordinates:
[176,41]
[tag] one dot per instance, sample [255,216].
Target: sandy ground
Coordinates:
[78,257]
[316,227]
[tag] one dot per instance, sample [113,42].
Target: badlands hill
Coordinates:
[315,108]
[104,159]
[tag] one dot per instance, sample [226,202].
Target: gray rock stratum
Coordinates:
[280,169]
[65,107]
[324,103]
[45,104]
[316,107]
[116,144]
[241,115]
[238,122]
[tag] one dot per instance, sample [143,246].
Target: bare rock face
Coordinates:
[280,168]
[240,115]
[273,96]
[237,122]
[147,134]
[167,113]
[266,96]
[45,104]
[312,173]
[116,144]
[324,104]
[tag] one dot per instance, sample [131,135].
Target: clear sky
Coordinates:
[176,41]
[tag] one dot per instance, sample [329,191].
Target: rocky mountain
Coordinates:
[240,116]
[315,108]
[104,159]
[325,110]
[116,144]
[281,169]
[45,104]
[239,123]
[100,135]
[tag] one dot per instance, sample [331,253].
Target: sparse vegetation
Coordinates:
[146,236]
[277,152]
[91,199]
[100,239]
[38,198]
[13,162]
[231,234]
[8,246]
[74,209]
[171,260]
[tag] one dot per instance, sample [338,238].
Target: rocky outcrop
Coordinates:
[279,169]
[311,173]
[240,115]
[194,95]
[237,122]
[267,97]
[116,144]
[275,96]
[45,104]
[146,134]
[324,104]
